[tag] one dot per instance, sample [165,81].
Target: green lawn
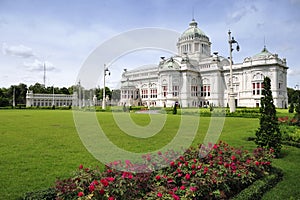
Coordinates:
[37,146]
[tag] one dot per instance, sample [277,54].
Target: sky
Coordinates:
[62,34]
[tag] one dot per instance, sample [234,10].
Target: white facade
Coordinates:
[48,99]
[195,77]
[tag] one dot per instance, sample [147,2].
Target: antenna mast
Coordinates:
[44,75]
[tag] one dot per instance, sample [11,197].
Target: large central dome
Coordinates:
[194,42]
[192,31]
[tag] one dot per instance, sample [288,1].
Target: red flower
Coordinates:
[80,166]
[233,157]
[193,189]
[111,198]
[187,177]
[127,175]
[91,187]
[157,177]
[102,192]
[182,187]
[95,182]
[80,194]
[172,164]
[159,194]
[104,182]
[256,163]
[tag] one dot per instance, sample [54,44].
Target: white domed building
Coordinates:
[197,78]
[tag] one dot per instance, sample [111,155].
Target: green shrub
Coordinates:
[268,134]
[259,187]
[47,194]
[291,108]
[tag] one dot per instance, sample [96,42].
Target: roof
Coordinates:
[193,30]
[263,54]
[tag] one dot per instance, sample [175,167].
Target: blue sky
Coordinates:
[62,34]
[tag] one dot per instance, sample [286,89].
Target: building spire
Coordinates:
[193,18]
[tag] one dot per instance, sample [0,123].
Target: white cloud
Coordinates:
[38,65]
[293,72]
[19,50]
[240,13]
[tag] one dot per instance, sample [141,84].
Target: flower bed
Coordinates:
[213,172]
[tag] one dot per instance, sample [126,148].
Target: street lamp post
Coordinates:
[231,41]
[103,96]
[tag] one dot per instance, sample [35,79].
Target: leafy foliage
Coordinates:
[268,134]
[220,174]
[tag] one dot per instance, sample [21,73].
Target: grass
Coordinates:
[37,146]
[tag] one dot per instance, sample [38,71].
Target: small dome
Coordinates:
[193,31]
[172,63]
[263,54]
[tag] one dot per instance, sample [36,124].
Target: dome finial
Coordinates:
[193,18]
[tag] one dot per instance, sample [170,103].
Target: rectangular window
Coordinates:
[144,93]
[208,90]
[175,90]
[194,91]
[165,91]
[153,93]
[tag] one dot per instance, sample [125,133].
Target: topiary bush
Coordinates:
[268,134]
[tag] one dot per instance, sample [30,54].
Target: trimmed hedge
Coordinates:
[261,186]
[47,194]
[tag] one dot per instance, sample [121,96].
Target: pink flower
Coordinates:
[159,194]
[110,179]
[175,197]
[182,187]
[80,194]
[111,198]
[170,180]
[127,175]
[193,189]
[80,166]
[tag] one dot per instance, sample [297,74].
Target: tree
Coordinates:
[297,107]
[38,88]
[291,108]
[268,134]
[100,94]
